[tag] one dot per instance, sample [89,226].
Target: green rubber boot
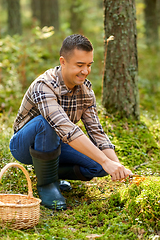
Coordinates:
[46,169]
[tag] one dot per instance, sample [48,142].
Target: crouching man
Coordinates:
[45,130]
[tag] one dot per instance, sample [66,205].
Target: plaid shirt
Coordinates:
[62,108]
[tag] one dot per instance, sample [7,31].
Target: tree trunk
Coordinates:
[35,6]
[76,15]
[14,17]
[158,12]
[151,22]
[3,3]
[49,13]
[120,91]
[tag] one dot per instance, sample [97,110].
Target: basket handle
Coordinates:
[3,170]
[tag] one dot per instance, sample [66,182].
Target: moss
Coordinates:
[142,203]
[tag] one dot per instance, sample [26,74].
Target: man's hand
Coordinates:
[106,158]
[116,170]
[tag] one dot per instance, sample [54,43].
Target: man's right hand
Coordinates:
[116,170]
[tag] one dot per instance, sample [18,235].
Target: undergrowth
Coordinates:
[115,210]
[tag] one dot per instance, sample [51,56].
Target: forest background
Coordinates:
[114,210]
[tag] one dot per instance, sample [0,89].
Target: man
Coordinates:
[45,130]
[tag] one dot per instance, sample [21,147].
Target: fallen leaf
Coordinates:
[94,236]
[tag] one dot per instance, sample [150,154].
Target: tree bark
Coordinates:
[76,15]
[35,6]
[49,13]
[119,90]
[151,22]
[158,12]
[14,17]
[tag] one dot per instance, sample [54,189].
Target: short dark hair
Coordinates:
[75,41]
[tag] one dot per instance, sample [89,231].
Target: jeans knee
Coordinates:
[94,171]
[45,134]
[44,127]
[100,172]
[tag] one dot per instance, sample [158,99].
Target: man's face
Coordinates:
[76,67]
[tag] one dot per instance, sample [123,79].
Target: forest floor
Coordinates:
[110,210]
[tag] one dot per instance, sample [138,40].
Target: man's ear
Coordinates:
[62,61]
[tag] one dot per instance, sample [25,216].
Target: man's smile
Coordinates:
[81,77]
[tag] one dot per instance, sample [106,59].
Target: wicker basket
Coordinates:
[19,211]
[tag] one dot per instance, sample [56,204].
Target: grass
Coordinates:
[115,210]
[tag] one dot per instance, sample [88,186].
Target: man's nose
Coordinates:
[85,71]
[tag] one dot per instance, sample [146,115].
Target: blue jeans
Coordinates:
[38,134]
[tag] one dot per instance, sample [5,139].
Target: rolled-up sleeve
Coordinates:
[94,128]
[46,102]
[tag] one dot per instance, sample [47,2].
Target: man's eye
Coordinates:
[79,65]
